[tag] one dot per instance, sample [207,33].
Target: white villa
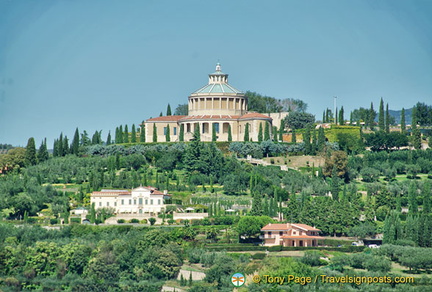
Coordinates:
[141,200]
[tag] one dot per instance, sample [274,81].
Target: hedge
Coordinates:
[281,248]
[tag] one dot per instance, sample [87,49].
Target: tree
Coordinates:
[30,156]
[281,130]
[260,133]
[339,160]
[381,116]
[214,136]
[246,133]
[387,119]
[267,131]
[154,133]
[181,135]
[256,209]
[403,124]
[168,112]
[181,110]
[341,116]
[167,134]
[133,134]
[299,120]
[142,132]
[412,199]
[371,117]
[75,143]
[321,139]
[307,141]
[229,133]
[250,226]
[43,152]
[126,135]
[294,136]
[108,140]
[152,220]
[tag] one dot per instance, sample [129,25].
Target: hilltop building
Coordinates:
[217,105]
[141,200]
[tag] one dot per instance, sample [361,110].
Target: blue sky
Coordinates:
[97,64]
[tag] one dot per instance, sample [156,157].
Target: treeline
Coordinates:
[266,104]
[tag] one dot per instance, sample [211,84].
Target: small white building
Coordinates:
[141,200]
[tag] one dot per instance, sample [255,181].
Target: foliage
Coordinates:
[299,120]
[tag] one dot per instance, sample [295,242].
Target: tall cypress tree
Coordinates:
[120,134]
[341,116]
[181,135]
[416,139]
[30,154]
[412,199]
[381,116]
[168,113]
[260,133]
[267,132]
[306,140]
[229,133]
[246,133]
[65,145]
[142,133]
[403,123]
[154,133]
[294,136]
[42,154]
[126,135]
[371,117]
[275,134]
[197,133]
[324,117]
[387,119]
[426,193]
[75,143]
[281,130]
[167,134]
[336,120]
[321,139]
[133,134]
[214,137]
[256,209]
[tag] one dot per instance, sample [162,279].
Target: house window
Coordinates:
[122,202]
[165,130]
[100,204]
[130,201]
[151,202]
[140,201]
[115,204]
[146,202]
[216,127]
[269,233]
[175,130]
[107,203]
[280,233]
[159,202]
[134,202]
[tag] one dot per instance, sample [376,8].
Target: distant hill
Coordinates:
[397,115]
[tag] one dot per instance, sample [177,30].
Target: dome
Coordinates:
[218,83]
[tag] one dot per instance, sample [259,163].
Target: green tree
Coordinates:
[371,117]
[412,199]
[133,134]
[294,136]
[30,157]
[154,133]
[75,143]
[42,154]
[403,123]
[257,209]
[167,134]
[416,134]
[108,140]
[142,132]
[250,226]
[341,116]
[126,135]
[181,135]
[214,136]
[321,139]
[168,112]
[387,119]
[307,141]
[260,133]
[275,134]
[381,116]
[267,131]
[181,110]
[229,133]
[281,130]
[246,133]
[297,120]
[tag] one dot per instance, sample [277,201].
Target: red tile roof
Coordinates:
[305,227]
[211,117]
[301,237]
[285,226]
[254,116]
[166,119]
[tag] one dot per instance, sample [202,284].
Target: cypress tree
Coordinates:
[214,137]
[181,136]
[281,129]
[294,136]
[412,199]
[321,139]
[403,124]
[65,145]
[126,135]
[314,142]
[267,132]
[381,116]
[426,193]
[160,114]
[108,140]
[142,133]
[257,209]
[197,134]
[260,133]
[415,130]
[336,117]
[75,143]
[154,133]
[60,145]
[42,154]
[168,113]
[246,133]
[324,117]
[30,154]
[167,134]
[133,137]
[120,134]
[387,120]
[341,116]
[229,133]
[275,134]
[306,140]
[351,118]
[371,117]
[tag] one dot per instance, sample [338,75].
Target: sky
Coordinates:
[99,64]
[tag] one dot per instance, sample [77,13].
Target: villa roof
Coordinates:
[305,227]
[270,226]
[254,116]
[166,119]
[217,88]
[301,237]
[211,117]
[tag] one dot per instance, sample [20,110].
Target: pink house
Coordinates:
[290,234]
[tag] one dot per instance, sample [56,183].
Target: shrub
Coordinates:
[152,220]
[75,220]
[259,256]
[134,220]
[53,221]
[144,221]
[121,221]
[170,221]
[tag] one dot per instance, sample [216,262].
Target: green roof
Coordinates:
[217,88]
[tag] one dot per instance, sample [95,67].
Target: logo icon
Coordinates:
[238,279]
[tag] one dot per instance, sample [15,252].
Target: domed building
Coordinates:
[217,106]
